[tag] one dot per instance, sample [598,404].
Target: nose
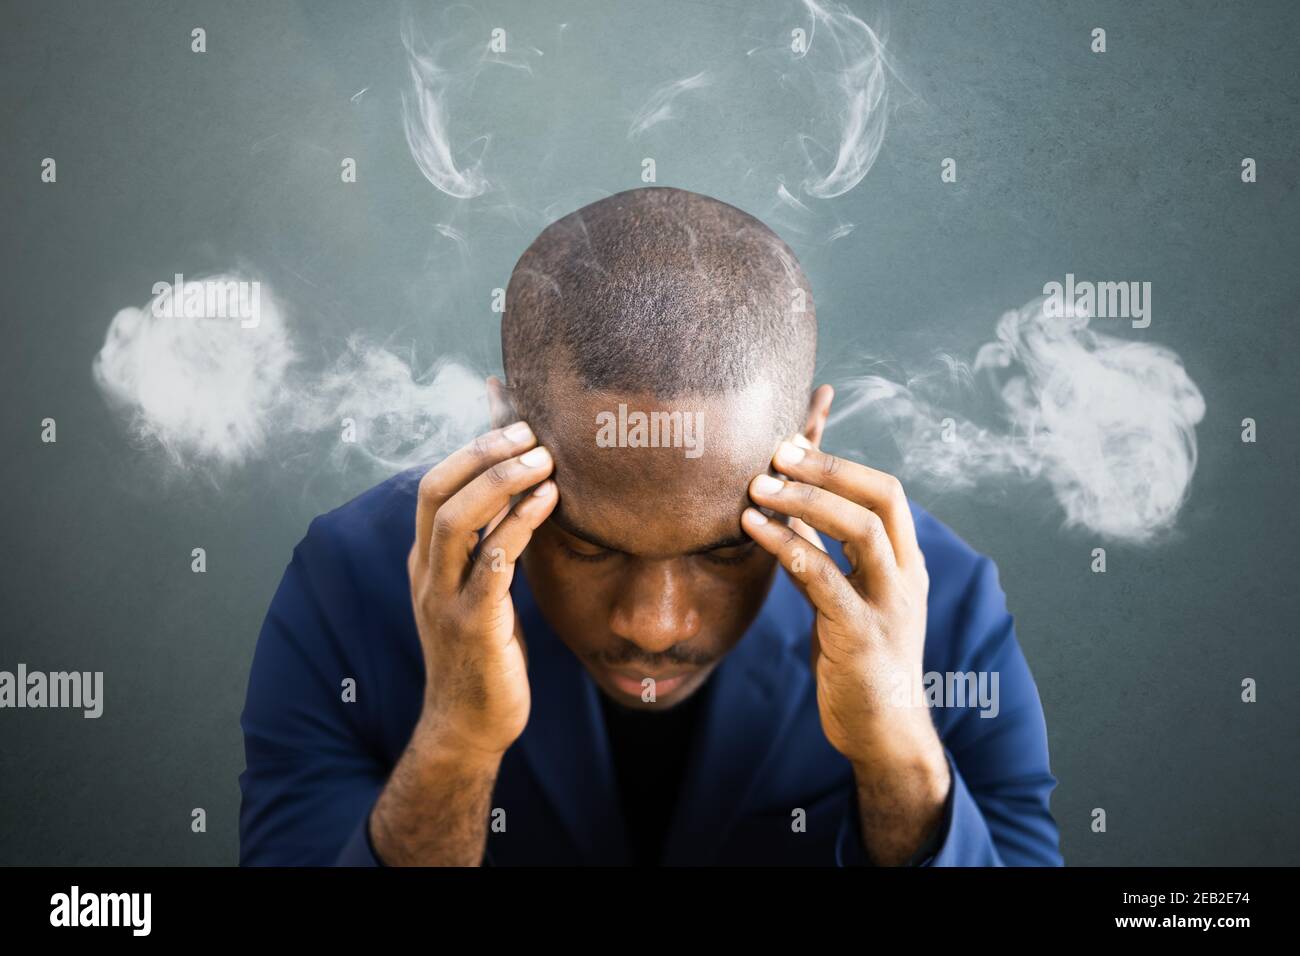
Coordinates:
[655,609]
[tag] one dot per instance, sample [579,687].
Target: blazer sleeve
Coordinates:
[997,812]
[310,779]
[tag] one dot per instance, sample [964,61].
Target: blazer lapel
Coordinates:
[564,743]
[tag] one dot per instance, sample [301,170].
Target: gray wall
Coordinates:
[1123,165]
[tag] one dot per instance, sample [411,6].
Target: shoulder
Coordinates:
[349,570]
[967,607]
[958,572]
[371,521]
[947,555]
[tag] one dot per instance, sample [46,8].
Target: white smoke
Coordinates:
[659,107]
[214,393]
[437,89]
[1109,424]
[205,389]
[835,75]
[401,418]
[857,96]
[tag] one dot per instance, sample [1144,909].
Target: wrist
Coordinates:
[916,756]
[438,742]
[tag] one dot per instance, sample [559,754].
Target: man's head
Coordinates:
[660,343]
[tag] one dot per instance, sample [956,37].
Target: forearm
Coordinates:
[900,802]
[434,810]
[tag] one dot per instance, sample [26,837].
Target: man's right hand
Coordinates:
[434,809]
[477,696]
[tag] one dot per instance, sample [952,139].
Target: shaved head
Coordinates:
[662,292]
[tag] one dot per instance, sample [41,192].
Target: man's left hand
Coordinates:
[868,639]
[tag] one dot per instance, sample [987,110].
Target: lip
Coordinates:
[631,683]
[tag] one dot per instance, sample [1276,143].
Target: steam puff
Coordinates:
[204,388]
[658,107]
[858,99]
[439,90]
[425,120]
[837,79]
[216,393]
[1110,424]
[399,420]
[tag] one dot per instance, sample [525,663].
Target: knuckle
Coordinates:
[444,523]
[831,466]
[873,529]
[808,498]
[480,447]
[830,574]
[844,603]
[496,476]
[429,484]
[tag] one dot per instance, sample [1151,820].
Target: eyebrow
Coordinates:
[564,522]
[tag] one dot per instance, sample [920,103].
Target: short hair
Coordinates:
[663,291]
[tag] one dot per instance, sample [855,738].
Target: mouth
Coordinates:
[632,682]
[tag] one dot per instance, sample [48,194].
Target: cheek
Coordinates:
[571,595]
[751,585]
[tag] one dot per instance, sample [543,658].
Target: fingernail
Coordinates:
[535,457]
[756,516]
[802,442]
[768,485]
[544,489]
[519,432]
[789,454]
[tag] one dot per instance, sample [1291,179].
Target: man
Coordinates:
[650,621]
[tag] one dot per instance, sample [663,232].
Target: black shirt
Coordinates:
[650,750]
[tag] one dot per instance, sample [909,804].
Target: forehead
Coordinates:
[659,477]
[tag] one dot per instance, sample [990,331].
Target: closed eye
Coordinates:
[731,555]
[576,555]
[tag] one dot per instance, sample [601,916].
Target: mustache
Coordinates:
[630,654]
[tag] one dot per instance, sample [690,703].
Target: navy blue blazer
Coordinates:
[316,763]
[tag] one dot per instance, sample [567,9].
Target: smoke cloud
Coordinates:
[1109,424]
[215,393]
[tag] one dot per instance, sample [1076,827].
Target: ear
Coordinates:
[819,409]
[501,406]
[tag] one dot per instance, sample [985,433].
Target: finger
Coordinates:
[496,520]
[820,578]
[866,543]
[455,526]
[801,528]
[494,568]
[876,490]
[451,474]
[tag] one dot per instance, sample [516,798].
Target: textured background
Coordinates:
[1124,166]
